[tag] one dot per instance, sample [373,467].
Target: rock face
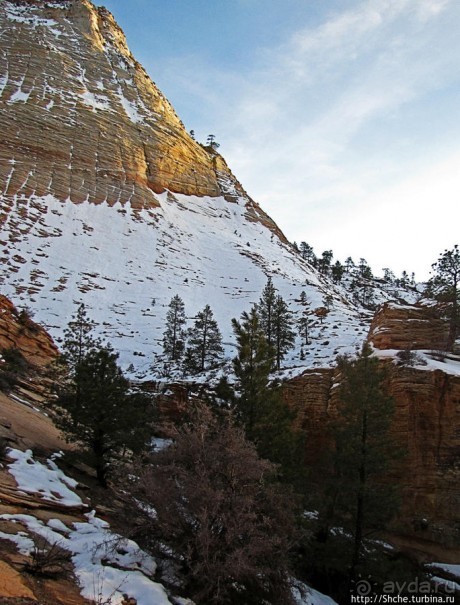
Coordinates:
[18,331]
[106,199]
[426,421]
[408,327]
[81,119]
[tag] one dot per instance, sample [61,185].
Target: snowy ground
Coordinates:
[106,564]
[126,265]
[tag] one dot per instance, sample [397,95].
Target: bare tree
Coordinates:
[223,524]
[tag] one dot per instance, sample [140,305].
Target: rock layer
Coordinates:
[426,421]
[408,327]
[81,119]
[18,331]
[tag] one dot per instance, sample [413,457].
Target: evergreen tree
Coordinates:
[303,298]
[96,410]
[360,497]
[211,142]
[307,253]
[252,367]
[204,347]
[337,272]
[364,270]
[324,263]
[349,265]
[267,420]
[266,310]
[446,285]
[79,338]
[283,333]
[174,335]
[303,322]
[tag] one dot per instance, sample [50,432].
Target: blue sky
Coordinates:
[340,117]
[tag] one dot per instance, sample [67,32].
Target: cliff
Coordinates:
[19,331]
[408,327]
[426,420]
[82,120]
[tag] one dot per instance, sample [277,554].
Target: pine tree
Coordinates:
[174,335]
[337,272]
[349,265]
[267,420]
[96,410]
[252,368]
[324,263]
[303,322]
[204,346]
[211,142]
[78,338]
[364,269]
[446,285]
[283,333]
[266,310]
[307,253]
[360,497]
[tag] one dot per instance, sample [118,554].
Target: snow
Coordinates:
[196,247]
[19,97]
[106,564]
[95,101]
[49,481]
[311,596]
[451,569]
[130,109]
[448,585]
[450,365]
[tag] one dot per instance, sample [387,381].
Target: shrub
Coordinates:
[223,524]
[408,357]
[48,559]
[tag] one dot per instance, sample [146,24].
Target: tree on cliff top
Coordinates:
[445,284]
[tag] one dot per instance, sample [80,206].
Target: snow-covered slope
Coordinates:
[126,265]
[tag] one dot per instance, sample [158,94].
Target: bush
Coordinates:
[13,365]
[224,526]
[48,559]
[408,357]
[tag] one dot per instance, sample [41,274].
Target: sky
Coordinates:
[341,118]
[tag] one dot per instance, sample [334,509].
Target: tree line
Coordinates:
[198,348]
[357,277]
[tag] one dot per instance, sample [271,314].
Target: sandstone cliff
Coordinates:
[408,327]
[82,120]
[426,421]
[18,331]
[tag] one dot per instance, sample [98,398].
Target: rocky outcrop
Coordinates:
[426,421]
[18,331]
[81,119]
[408,327]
